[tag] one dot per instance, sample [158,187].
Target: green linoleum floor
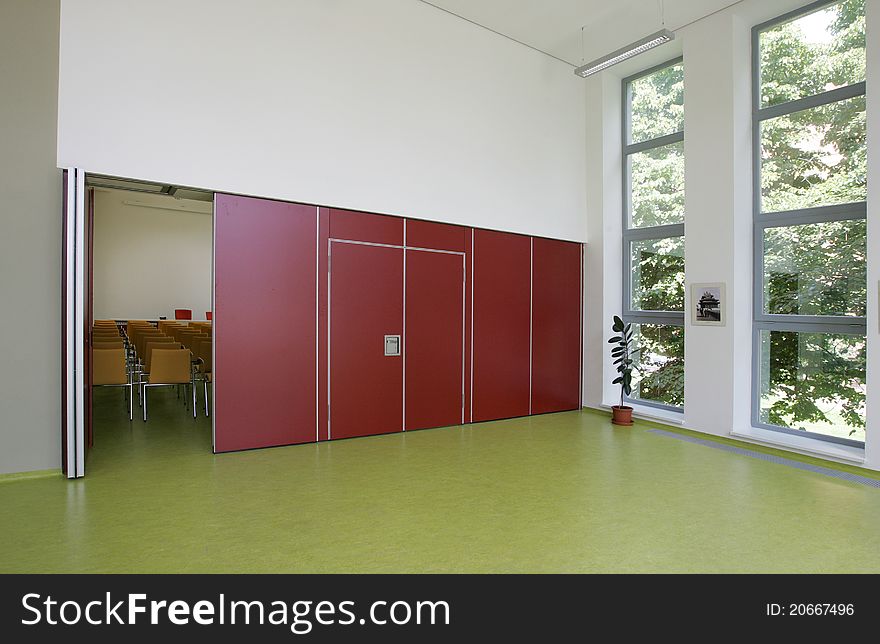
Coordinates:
[557,493]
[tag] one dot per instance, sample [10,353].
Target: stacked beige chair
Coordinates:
[110,369]
[169,367]
[204,361]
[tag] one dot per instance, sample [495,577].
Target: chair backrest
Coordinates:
[186,337]
[108,367]
[183,314]
[150,346]
[206,354]
[170,367]
[134,329]
[208,315]
[138,334]
[165,325]
[140,344]
[107,344]
[196,341]
[202,327]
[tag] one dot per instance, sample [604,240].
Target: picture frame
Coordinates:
[708,304]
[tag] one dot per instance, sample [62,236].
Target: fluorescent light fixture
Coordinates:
[624,53]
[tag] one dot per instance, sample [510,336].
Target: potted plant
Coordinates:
[622,353]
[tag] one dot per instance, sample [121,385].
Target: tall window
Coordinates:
[810,228]
[653,231]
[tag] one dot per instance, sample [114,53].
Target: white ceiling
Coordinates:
[554,26]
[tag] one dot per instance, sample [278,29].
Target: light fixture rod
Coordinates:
[624,53]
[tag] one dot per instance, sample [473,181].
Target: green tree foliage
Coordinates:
[818,156]
[657,175]
[657,180]
[814,157]
[661,363]
[813,378]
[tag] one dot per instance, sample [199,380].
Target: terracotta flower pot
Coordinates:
[621,415]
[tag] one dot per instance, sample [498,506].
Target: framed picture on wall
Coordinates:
[708,304]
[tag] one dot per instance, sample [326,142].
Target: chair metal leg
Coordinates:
[130,402]
[207,412]
[192,387]
[145,404]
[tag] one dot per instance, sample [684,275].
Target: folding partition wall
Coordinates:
[366,305]
[556,323]
[334,324]
[502,322]
[434,339]
[265,331]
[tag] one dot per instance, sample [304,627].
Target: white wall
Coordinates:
[390,106]
[718,205]
[30,238]
[149,261]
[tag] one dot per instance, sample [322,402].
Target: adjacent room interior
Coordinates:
[149,289]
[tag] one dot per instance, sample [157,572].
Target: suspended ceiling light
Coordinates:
[624,53]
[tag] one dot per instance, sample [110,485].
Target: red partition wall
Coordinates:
[265,319]
[323,301]
[501,320]
[468,319]
[429,234]
[434,339]
[366,304]
[556,332]
[64,223]
[361,226]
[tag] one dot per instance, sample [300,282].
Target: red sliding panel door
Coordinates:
[434,340]
[366,305]
[429,234]
[501,320]
[323,301]
[366,227]
[265,319]
[556,325]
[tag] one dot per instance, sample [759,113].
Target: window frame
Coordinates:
[854,211]
[630,234]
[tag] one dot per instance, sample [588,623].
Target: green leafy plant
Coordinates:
[623,354]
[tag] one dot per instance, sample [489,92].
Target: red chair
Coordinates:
[183,314]
[208,315]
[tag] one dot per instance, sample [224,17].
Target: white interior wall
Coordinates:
[149,260]
[718,167]
[390,106]
[718,207]
[30,238]
[603,254]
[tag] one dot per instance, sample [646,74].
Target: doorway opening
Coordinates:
[147,316]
